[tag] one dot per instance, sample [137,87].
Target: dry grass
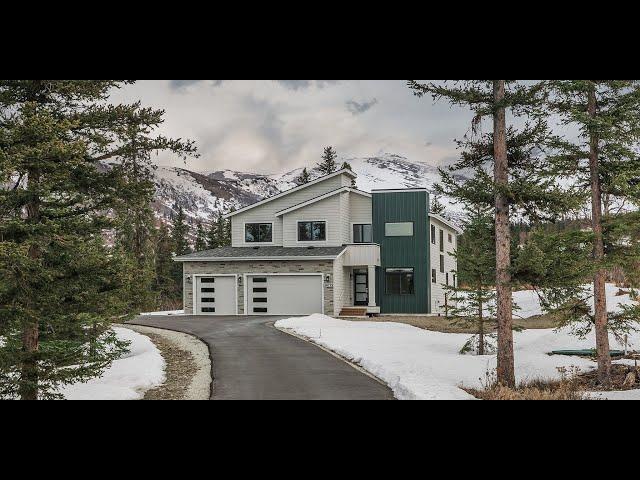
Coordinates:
[451,325]
[567,388]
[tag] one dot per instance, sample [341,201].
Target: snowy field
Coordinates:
[426,365]
[129,377]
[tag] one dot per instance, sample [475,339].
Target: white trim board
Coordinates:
[344,171]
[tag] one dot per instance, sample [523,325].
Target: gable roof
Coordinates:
[449,224]
[344,171]
[223,254]
[322,197]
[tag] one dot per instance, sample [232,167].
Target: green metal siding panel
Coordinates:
[403,252]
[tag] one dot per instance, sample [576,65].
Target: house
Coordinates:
[328,247]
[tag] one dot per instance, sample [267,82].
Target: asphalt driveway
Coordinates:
[254,361]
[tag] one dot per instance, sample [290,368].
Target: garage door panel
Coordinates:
[285,294]
[216,295]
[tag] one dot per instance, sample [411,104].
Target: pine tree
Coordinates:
[61,285]
[603,160]
[201,239]
[327,164]
[180,233]
[212,235]
[303,178]
[436,207]
[515,184]
[221,231]
[165,286]
[472,297]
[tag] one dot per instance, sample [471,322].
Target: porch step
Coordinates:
[353,312]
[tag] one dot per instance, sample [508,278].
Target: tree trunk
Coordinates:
[599,293]
[505,370]
[480,323]
[30,329]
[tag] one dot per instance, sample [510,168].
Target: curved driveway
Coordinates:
[252,360]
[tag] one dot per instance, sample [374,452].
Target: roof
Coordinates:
[344,171]
[263,253]
[446,222]
[322,197]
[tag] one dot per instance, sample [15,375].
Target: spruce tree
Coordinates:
[165,286]
[201,239]
[221,231]
[347,166]
[436,207]
[512,155]
[303,178]
[212,235]
[62,286]
[180,233]
[603,160]
[327,164]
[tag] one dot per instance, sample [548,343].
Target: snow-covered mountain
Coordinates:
[203,195]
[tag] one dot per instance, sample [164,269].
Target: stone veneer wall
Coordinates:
[242,267]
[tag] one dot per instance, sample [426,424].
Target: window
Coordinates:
[259,290]
[208,280]
[260,280]
[312,231]
[402,229]
[362,233]
[441,240]
[258,232]
[259,300]
[454,280]
[208,290]
[399,281]
[433,234]
[209,309]
[441,263]
[208,300]
[434,278]
[259,310]
[450,239]
[447,278]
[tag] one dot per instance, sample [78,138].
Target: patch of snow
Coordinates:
[421,364]
[167,312]
[129,377]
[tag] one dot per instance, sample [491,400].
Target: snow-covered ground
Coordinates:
[167,312]
[129,377]
[421,364]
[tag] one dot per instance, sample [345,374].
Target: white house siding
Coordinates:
[361,208]
[324,210]
[450,265]
[345,217]
[266,212]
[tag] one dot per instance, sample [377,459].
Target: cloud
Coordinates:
[181,85]
[358,108]
[304,84]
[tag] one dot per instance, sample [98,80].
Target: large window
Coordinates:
[258,232]
[362,233]
[399,281]
[401,229]
[312,231]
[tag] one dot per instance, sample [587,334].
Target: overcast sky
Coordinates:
[272,126]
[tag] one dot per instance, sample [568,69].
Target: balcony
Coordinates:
[362,255]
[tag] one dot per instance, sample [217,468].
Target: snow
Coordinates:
[421,364]
[129,377]
[166,312]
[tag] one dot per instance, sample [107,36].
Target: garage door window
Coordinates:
[312,231]
[259,310]
[208,280]
[209,309]
[258,232]
[259,290]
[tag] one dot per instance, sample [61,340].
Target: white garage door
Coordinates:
[284,294]
[216,295]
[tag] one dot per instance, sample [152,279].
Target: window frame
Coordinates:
[442,265]
[244,232]
[353,233]
[400,272]
[433,234]
[326,231]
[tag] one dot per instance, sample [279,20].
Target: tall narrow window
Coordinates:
[433,275]
[441,263]
[433,234]
[450,239]
[441,240]
[447,278]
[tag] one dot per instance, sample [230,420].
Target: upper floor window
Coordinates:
[312,231]
[433,234]
[442,263]
[362,233]
[441,240]
[258,232]
[450,238]
[434,278]
[401,229]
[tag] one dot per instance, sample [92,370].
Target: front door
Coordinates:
[361,283]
